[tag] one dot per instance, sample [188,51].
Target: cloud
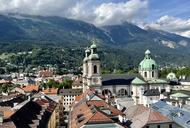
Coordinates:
[115,13]
[98,12]
[172,24]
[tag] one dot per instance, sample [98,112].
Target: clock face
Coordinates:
[95,80]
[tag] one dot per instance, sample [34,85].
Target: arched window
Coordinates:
[95,69]
[153,67]
[153,74]
[122,92]
[106,92]
[145,74]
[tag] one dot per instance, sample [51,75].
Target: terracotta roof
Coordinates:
[84,114]
[100,117]
[80,115]
[30,88]
[90,111]
[103,104]
[141,116]
[83,95]
[156,117]
[50,91]
[7,112]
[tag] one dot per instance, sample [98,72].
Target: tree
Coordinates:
[2,71]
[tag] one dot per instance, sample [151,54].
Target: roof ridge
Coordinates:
[102,115]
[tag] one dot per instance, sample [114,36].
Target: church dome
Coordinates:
[147,63]
[147,52]
[93,46]
[85,59]
[87,50]
[94,57]
[171,76]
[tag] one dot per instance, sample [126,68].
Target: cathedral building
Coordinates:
[144,88]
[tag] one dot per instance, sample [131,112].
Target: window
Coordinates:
[153,67]
[122,92]
[153,74]
[95,69]
[158,126]
[145,74]
[147,126]
[170,125]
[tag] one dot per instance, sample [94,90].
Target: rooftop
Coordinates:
[50,91]
[30,88]
[141,116]
[178,115]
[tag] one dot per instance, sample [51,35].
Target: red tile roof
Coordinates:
[100,117]
[30,88]
[91,111]
[141,116]
[7,112]
[50,91]
[102,104]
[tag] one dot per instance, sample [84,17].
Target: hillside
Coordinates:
[120,45]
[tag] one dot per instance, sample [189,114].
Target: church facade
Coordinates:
[144,88]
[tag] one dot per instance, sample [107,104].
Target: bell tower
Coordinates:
[92,69]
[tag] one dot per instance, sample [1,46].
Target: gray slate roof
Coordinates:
[178,115]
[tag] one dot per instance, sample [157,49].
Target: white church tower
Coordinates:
[92,69]
[148,68]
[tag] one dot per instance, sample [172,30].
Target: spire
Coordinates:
[93,44]
[147,54]
[93,47]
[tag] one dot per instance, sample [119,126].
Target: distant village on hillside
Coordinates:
[45,99]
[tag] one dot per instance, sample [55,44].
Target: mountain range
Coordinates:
[126,40]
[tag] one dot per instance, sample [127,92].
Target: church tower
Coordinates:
[148,68]
[92,69]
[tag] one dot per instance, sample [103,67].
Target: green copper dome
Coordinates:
[147,63]
[87,50]
[93,45]
[94,57]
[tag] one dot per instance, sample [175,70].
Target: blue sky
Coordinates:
[167,15]
[175,8]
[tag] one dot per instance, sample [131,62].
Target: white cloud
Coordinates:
[115,13]
[172,24]
[99,13]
